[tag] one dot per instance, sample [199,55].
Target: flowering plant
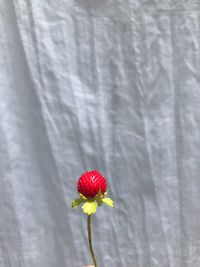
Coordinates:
[92,189]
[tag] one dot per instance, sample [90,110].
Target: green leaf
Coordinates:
[82,196]
[99,202]
[108,201]
[77,202]
[89,207]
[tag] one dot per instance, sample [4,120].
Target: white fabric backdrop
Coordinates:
[112,85]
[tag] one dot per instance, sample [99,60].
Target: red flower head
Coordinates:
[91,183]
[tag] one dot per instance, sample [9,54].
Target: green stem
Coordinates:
[90,240]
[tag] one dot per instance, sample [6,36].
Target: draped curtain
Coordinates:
[112,85]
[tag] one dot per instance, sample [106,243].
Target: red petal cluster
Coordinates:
[90,183]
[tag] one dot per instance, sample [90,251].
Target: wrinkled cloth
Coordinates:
[112,85]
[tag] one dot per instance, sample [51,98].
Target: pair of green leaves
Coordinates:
[90,205]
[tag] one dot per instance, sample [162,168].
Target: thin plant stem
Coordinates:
[90,240]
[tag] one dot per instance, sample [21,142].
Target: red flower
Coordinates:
[90,183]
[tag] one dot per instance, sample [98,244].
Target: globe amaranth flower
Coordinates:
[92,188]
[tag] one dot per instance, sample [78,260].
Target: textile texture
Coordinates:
[112,85]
